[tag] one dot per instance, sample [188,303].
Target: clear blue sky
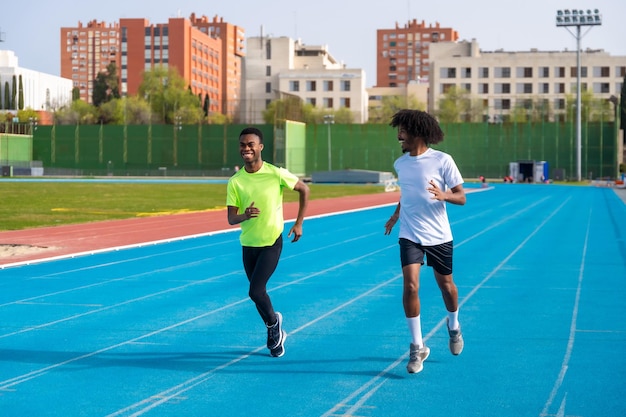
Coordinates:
[348,27]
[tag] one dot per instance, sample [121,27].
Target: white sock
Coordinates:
[415,327]
[453,320]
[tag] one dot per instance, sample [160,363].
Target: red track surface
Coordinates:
[81,238]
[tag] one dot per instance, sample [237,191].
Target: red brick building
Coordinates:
[402,52]
[206,53]
[86,50]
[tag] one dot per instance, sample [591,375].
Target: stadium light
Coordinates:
[577,18]
[329,119]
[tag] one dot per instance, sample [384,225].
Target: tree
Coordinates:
[7,96]
[20,97]
[207,105]
[106,85]
[390,105]
[622,106]
[79,112]
[14,93]
[165,91]
[455,105]
[288,108]
[75,94]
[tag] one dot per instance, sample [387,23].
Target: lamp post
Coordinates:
[32,121]
[329,119]
[577,18]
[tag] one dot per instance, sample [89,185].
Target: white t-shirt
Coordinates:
[422,219]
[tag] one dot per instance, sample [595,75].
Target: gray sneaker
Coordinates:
[456,340]
[416,357]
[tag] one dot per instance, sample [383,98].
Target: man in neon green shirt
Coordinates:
[255,200]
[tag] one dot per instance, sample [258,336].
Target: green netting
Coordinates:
[479,148]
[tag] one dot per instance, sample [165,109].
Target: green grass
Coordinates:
[25,205]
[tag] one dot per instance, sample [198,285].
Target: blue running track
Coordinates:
[168,329]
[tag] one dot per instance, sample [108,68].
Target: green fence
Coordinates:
[479,148]
[15,149]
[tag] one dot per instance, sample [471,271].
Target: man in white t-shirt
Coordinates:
[428,179]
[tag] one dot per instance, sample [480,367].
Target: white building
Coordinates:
[41,91]
[504,81]
[278,67]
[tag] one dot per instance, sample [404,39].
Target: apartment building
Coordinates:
[87,50]
[504,81]
[402,53]
[232,39]
[207,53]
[177,44]
[278,67]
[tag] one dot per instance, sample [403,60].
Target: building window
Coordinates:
[268,49]
[328,102]
[544,72]
[524,88]
[268,87]
[445,88]
[544,88]
[559,103]
[344,102]
[574,72]
[328,86]
[345,85]
[599,88]
[601,72]
[466,73]
[524,72]
[448,72]
[483,88]
[268,70]
[483,72]
[294,85]
[559,88]
[311,86]
[502,72]
[502,88]
[311,100]
[559,72]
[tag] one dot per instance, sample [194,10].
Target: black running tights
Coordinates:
[259,264]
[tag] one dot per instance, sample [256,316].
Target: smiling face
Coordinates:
[250,148]
[412,144]
[406,141]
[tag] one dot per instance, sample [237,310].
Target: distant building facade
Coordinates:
[233,40]
[42,92]
[403,53]
[533,80]
[206,53]
[278,67]
[87,50]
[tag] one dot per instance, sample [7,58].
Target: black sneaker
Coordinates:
[276,337]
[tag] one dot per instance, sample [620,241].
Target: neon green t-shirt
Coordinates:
[265,189]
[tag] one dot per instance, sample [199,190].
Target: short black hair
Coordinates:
[418,123]
[252,131]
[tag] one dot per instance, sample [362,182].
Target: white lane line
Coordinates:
[572,329]
[383,375]
[8,383]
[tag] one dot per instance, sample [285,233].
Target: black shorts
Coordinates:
[439,257]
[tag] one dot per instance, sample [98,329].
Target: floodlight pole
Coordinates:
[328,120]
[578,19]
[578,109]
